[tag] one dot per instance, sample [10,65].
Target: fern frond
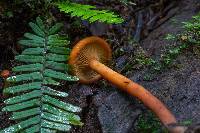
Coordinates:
[34,104]
[87,12]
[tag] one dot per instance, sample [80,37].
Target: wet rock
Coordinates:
[117,114]
[136,76]
[84,95]
[188,98]
[120,62]
[100,98]
[180,89]
[139,26]
[85,90]
[129,48]
[90,119]
[78,94]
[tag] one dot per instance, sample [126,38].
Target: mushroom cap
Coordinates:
[83,52]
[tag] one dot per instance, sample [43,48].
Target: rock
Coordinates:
[120,62]
[180,89]
[100,98]
[188,98]
[91,123]
[129,48]
[136,76]
[117,114]
[85,90]
[78,94]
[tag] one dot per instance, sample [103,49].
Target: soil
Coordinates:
[178,87]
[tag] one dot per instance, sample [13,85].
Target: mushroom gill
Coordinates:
[92,48]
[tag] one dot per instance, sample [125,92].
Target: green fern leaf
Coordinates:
[31,43]
[28,68]
[50,81]
[56,57]
[37,29]
[25,77]
[23,97]
[24,124]
[54,125]
[59,75]
[22,88]
[55,118]
[34,104]
[36,129]
[59,50]
[47,90]
[40,24]
[89,12]
[54,29]
[62,105]
[57,66]
[25,114]
[34,37]
[61,43]
[33,51]
[30,58]
[46,130]
[23,105]
[57,37]
[60,112]
[72,118]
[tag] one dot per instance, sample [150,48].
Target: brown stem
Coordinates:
[134,89]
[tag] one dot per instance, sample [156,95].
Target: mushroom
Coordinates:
[89,58]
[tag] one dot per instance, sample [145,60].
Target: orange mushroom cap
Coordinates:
[86,50]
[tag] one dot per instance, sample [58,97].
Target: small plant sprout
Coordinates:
[89,58]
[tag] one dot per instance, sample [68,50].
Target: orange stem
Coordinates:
[136,90]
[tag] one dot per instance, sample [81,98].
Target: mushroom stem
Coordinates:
[136,90]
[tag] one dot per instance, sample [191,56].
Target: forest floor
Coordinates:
[107,110]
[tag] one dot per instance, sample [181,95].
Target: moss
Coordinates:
[148,123]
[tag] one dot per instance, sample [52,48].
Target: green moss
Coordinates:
[186,122]
[187,40]
[148,123]
[144,60]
